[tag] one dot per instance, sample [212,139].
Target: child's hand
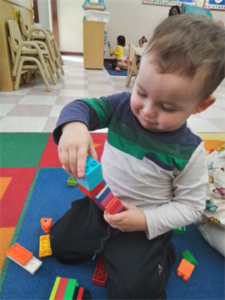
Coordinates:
[132,219]
[74,144]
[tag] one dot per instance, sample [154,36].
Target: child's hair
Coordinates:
[142,40]
[121,40]
[177,9]
[188,44]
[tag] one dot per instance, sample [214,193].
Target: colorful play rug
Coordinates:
[33,185]
[113,72]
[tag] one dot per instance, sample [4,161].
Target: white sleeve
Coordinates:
[190,189]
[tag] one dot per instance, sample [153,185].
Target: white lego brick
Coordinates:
[31,266]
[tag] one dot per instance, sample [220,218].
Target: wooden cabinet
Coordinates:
[93,44]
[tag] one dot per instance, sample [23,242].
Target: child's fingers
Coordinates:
[92,152]
[81,161]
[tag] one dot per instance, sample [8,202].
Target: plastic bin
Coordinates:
[96,15]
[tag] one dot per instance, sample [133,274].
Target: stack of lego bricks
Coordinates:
[93,185]
[68,289]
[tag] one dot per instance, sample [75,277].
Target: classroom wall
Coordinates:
[130,18]
[45,13]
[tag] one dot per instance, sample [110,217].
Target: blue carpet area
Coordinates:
[113,72]
[52,197]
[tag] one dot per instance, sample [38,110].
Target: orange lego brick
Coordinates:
[185,269]
[45,246]
[46,225]
[19,254]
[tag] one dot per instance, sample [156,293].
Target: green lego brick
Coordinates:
[189,257]
[180,230]
[71,182]
[71,285]
[55,287]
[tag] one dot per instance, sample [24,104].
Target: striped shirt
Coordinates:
[164,174]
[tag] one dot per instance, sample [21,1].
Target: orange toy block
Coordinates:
[20,254]
[46,225]
[45,246]
[185,269]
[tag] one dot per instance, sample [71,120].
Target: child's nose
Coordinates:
[150,111]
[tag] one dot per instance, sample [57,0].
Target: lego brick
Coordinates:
[103,194]
[19,254]
[107,199]
[46,224]
[82,294]
[71,182]
[93,170]
[91,194]
[61,288]
[189,257]
[185,269]
[31,266]
[91,184]
[100,274]
[54,289]
[45,246]
[113,205]
[70,288]
[180,230]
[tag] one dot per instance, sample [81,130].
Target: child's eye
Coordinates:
[141,94]
[170,110]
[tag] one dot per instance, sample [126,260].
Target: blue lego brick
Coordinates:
[92,169]
[93,174]
[103,194]
[90,185]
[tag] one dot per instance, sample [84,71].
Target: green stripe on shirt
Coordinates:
[103,109]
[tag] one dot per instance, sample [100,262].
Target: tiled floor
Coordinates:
[33,109]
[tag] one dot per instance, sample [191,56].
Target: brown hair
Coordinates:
[190,43]
[142,40]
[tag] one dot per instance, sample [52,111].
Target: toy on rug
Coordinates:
[67,288]
[24,258]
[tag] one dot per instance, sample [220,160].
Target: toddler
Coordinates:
[151,161]
[120,60]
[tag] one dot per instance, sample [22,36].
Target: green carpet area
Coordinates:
[27,146]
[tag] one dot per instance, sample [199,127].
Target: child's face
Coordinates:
[163,102]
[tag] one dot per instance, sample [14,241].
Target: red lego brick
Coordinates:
[61,289]
[100,274]
[46,225]
[113,205]
[20,254]
[81,293]
[93,192]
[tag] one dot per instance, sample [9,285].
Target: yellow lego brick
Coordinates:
[45,246]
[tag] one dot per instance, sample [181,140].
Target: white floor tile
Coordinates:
[75,93]
[5,108]
[38,100]
[56,110]
[23,124]
[202,125]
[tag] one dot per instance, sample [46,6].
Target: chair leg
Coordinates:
[129,78]
[54,80]
[43,77]
[18,75]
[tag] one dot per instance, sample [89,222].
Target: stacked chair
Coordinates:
[33,33]
[132,66]
[29,57]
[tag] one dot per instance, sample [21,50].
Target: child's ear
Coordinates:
[204,104]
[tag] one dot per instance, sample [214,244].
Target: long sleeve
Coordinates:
[190,188]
